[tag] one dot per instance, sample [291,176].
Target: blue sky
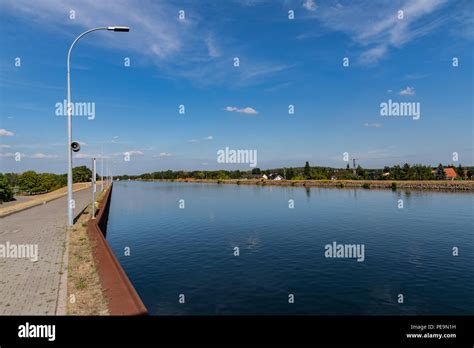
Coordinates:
[190,62]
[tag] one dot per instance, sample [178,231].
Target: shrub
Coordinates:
[6,193]
[298,177]
[29,182]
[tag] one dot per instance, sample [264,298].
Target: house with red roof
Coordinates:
[450,173]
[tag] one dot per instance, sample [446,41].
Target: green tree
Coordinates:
[440,174]
[47,182]
[256,171]
[81,174]
[13,179]
[200,175]
[222,175]
[396,172]
[290,173]
[29,182]
[361,172]
[422,172]
[460,171]
[235,174]
[406,172]
[6,192]
[307,171]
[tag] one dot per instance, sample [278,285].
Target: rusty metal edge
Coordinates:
[119,291]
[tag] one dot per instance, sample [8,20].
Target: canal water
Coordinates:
[238,249]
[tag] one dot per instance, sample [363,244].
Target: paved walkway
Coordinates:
[32,288]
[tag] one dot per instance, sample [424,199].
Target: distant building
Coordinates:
[449,172]
[272,176]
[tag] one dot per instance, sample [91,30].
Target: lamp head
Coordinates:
[124,29]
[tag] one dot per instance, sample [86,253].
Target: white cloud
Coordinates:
[212,49]
[6,133]
[377,29]
[373,125]
[4,146]
[247,110]
[163,154]
[7,154]
[310,5]
[193,141]
[131,153]
[408,91]
[154,23]
[82,155]
[253,72]
[43,156]
[178,48]
[373,54]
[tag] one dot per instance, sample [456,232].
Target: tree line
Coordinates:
[31,183]
[397,172]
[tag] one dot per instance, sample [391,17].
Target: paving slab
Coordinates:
[32,287]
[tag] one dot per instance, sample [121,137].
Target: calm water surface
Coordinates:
[190,251]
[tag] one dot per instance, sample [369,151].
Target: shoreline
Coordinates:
[432,185]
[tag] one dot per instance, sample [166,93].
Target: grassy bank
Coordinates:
[85,295]
[430,185]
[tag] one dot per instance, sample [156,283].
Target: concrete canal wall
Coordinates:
[121,295]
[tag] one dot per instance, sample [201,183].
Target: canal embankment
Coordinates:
[425,185]
[121,297]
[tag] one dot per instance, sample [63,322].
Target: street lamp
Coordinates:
[71,204]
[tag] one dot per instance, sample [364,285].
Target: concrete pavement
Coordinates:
[33,287]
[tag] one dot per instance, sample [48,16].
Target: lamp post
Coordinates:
[93,187]
[70,200]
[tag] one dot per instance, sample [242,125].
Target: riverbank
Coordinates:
[121,296]
[428,185]
[84,289]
